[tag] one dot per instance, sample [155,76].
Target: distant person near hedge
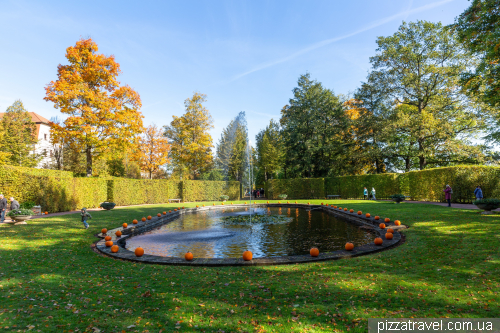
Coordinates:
[13,204]
[85,216]
[365,193]
[447,194]
[373,193]
[478,193]
[3,207]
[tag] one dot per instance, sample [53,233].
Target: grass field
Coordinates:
[51,280]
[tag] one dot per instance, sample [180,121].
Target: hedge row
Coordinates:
[425,185]
[124,192]
[195,190]
[300,188]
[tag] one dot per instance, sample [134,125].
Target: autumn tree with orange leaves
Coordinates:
[152,150]
[102,114]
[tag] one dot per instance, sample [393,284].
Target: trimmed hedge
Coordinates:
[428,185]
[124,191]
[351,187]
[300,188]
[195,190]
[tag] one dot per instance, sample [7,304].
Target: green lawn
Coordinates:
[51,281]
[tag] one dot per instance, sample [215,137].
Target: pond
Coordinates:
[283,232]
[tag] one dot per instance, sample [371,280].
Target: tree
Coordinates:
[19,136]
[419,69]
[313,127]
[270,150]
[477,28]
[231,150]
[152,150]
[190,141]
[102,114]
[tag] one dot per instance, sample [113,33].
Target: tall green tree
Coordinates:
[19,136]
[231,150]
[313,128]
[419,69]
[190,139]
[270,150]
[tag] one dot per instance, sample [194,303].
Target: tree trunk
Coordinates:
[421,158]
[89,161]
[150,174]
[407,164]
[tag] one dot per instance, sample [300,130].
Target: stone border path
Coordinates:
[369,224]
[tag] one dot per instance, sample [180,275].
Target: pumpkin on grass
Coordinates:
[114,248]
[139,252]
[197,206]
[188,256]
[107,238]
[247,255]
[118,233]
[389,235]
[322,204]
[314,252]
[104,231]
[109,243]
[349,246]
[135,222]
[381,225]
[397,222]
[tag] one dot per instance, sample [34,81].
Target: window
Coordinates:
[45,136]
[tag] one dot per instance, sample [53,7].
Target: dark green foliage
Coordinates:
[298,188]
[487,204]
[107,205]
[27,205]
[22,211]
[270,151]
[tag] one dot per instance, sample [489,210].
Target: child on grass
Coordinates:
[85,216]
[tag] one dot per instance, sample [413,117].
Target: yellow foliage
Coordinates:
[152,150]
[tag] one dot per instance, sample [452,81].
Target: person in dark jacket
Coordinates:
[3,207]
[13,204]
[478,193]
[85,216]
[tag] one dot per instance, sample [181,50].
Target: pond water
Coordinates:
[207,235]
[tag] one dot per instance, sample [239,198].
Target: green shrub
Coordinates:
[20,212]
[282,196]
[27,205]
[351,187]
[224,197]
[490,201]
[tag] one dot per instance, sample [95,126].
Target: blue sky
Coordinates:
[244,55]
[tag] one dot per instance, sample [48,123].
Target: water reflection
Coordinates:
[204,235]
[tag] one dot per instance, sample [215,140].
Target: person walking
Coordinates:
[85,216]
[13,204]
[478,193]
[373,193]
[447,194]
[3,207]
[365,193]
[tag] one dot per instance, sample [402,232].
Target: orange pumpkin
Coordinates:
[104,231]
[149,217]
[377,218]
[308,203]
[340,208]
[322,204]
[124,225]
[390,230]
[331,206]
[387,220]
[247,255]
[158,214]
[197,206]
[46,213]
[139,252]
[349,246]
[381,226]
[114,248]
[107,238]
[203,205]
[178,208]
[170,211]
[367,215]
[109,243]
[182,207]
[164,213]
[213,204]
[222,204]
[334,206]
[118,233]
[397,222]
[279,202]
[135,222]
[245,202]
[295,201]
[255,202]
[345,209]
[188,256]
[268,202]
[351,210]
[389,235]
[143,219]
[378,241]
[359,212]
[288,202]
[314,252]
